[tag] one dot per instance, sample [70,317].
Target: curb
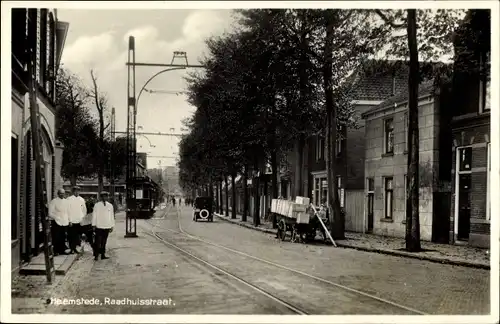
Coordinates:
[375,250]
[239,223]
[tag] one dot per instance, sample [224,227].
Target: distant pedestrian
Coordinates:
[77,210]
[58,213]
[103,221]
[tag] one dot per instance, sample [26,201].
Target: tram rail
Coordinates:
[293,308]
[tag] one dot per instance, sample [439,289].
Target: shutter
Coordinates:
[29,196]
[38,44]
[22,193]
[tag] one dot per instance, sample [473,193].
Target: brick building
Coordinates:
[33,31]
[470,214]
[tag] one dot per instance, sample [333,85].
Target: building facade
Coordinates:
[371,85]
[33,31]
[470,215]
[386,165]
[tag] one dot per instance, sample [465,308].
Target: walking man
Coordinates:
[58,213]
[103,221]
[77,210]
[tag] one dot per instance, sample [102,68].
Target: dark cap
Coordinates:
[104,193]
[76,188]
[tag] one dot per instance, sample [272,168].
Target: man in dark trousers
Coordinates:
[77,210]
[59,215]
[103,221]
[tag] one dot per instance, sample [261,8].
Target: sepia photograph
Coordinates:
[250,158]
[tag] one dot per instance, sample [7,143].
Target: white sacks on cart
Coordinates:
[296,210]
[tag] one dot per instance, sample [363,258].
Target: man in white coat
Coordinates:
[77,210]
[103,221]
[58,212]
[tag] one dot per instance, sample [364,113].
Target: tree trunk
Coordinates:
[233,201]
[303,47]
[275,169]
[221,198]
[299,157]
[73,180]
[227,195]
[335,213]
[412,204]
[265,184]
[256,191]
[245,194]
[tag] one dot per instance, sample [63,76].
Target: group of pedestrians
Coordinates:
[70,222]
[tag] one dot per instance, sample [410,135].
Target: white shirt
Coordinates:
[103,216]
[77,209]
[58,211]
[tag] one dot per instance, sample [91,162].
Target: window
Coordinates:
[465,157]
[340,139]
[370,185]
[388,198]
[320,147]
[389,135]
[406,125]
[320,191]
[405,183]
[484,87]
[488,188]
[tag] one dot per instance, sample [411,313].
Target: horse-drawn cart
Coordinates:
[300,219]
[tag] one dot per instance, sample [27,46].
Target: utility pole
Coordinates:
[131,212]
[112,156]
[132,100]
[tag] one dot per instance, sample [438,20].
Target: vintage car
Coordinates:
[203,209]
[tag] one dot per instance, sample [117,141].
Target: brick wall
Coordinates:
[473,132]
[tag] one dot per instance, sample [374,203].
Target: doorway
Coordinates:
[370,211]
[464,207]
[370,202]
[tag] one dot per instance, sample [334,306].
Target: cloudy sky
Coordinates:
[98,40]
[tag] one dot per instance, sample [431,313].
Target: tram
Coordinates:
[147,196]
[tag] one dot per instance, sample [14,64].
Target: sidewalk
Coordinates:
[441,253]
[29,287]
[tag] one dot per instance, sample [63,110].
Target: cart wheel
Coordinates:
[282,224]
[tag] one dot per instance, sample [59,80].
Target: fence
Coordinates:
[355,210]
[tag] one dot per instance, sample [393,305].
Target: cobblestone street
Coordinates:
[316,279]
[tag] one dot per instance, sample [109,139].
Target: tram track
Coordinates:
[297,310]
[259,290]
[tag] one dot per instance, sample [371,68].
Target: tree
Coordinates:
[75,127]
[101,105]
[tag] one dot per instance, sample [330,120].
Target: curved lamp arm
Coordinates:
[151,78]
[151,145]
